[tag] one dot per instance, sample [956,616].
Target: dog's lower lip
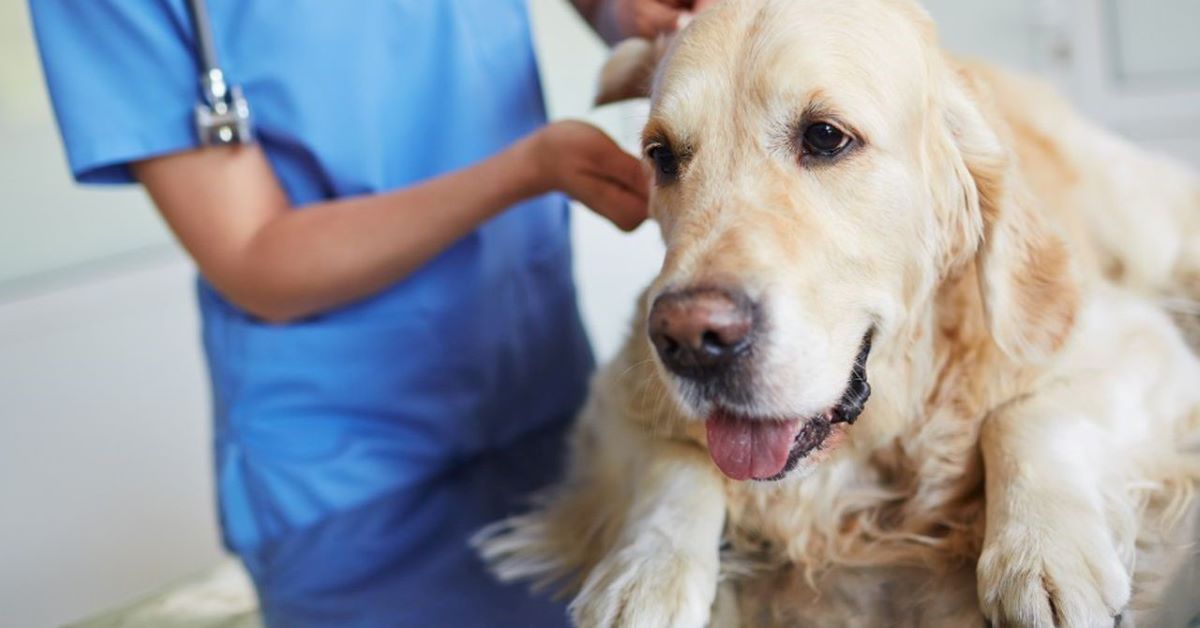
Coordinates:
[817,430]
[811,437]
[858,390]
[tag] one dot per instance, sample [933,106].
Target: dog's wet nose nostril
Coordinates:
[699,332]
[711,342]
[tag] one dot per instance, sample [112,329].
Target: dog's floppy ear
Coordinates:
[1026,274]
[629,71]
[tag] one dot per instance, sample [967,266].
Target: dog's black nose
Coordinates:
[700,332]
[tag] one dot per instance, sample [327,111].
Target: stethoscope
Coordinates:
[222,113]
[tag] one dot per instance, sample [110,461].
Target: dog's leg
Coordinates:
[662,573]
[1050,556]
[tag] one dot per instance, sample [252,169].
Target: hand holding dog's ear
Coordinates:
[628,71]
[580,160]
[617,20]
[643,19]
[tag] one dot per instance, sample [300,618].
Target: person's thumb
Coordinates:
[658,18]
[686,16]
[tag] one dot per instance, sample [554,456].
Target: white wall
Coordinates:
[103,444]
[104,465]
[45,223]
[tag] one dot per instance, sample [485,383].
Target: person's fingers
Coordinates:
[608,160]
[624,169]
[653,18]
[635,176]
[622,208]
[603,176]
[615,202]
[629,214]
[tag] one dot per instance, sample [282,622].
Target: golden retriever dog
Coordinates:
[908,360]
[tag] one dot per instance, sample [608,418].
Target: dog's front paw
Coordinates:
[647,587]
[1069,574]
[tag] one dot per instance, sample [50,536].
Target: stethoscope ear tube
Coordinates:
[222,114]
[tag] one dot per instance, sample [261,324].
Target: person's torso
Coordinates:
[478,347]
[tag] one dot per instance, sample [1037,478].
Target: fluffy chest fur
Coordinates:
[907,488]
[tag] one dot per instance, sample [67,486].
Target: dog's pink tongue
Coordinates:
[745,448]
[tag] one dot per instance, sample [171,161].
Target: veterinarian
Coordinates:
[385,271]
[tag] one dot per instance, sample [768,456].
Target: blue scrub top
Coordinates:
[356,450]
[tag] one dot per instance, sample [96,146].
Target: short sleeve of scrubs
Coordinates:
[123,87]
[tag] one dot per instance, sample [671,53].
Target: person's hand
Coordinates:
[648,19]
[580,160]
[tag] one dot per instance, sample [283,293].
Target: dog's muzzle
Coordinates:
[768,448]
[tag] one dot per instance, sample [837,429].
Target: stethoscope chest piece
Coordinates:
[222,115]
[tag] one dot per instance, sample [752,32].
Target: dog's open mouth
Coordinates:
[747,448]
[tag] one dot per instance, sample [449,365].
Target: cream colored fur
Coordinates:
[1033,441]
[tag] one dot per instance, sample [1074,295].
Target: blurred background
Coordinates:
[105,490]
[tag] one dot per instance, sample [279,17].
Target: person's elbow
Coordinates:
[275,313]
[269,299]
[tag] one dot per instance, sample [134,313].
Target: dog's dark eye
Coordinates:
[666,164]
[824,140]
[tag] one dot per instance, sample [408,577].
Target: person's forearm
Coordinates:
[324,255]
[227,208]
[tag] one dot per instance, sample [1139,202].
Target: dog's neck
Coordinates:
[943,361]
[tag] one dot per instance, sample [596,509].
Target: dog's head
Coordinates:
[820,169]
